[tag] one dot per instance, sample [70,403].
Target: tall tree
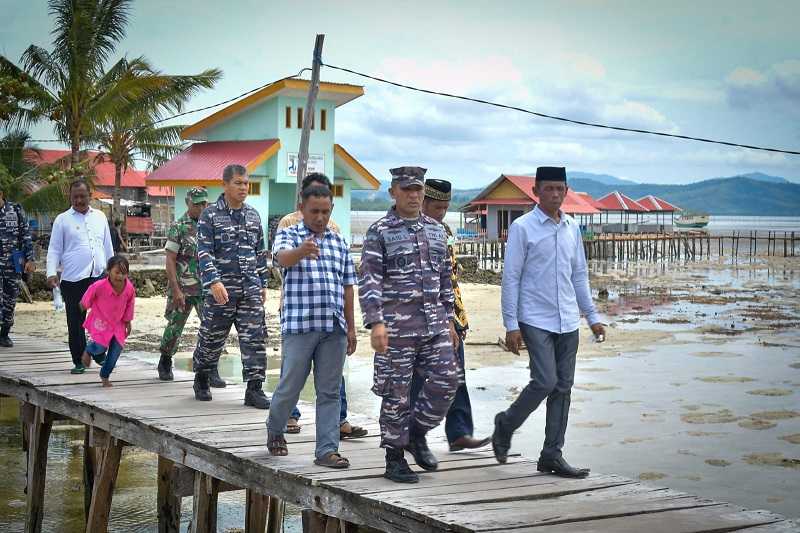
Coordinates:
[61,85]
[131,133]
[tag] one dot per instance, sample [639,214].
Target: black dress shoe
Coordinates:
[397,468]
[468,442]
[418,447]
[501,440]
[561,467]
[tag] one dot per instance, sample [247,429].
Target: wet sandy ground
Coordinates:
[697,387]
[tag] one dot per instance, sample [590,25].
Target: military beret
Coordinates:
[438,189]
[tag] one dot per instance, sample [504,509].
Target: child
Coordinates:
[110,305]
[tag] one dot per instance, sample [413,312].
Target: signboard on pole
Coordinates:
[316,163]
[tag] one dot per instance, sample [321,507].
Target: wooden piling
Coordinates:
[204,511]
[168,499]
[39,428]
[256,509]
[103,488]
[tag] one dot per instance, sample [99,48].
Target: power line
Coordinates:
[562,119]
[229,100]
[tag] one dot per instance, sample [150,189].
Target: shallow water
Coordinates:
[679,413]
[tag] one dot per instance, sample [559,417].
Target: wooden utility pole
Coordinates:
[308,114]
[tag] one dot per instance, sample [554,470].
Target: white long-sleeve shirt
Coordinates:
[545,278]
[80,244]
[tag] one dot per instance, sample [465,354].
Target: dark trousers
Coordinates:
[552,362]
[72,292]
[458,421]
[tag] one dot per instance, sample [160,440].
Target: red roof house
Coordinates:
[510,196]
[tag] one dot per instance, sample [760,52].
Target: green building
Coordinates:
[262,133]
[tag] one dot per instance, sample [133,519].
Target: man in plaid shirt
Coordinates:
[317,324]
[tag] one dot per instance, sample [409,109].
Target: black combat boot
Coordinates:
[5,342]
[215,381]
[165,368]
[397,468]
[418,447]
[254,396]
[201,390]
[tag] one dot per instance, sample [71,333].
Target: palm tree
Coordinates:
[62,85]
[39,188]
[131,133]
[70,87]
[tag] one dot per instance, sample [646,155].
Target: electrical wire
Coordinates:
[561,119]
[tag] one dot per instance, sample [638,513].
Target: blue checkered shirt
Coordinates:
[313,289]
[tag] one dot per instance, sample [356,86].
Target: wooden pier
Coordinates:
[677,246]
[208,447]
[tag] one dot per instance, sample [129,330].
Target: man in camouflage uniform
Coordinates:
[183,291]
[16,251]
[233,271]
[458,424]
[406,296]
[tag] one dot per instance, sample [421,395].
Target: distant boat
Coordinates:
[692,221]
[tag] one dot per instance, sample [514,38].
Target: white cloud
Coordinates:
[777,88]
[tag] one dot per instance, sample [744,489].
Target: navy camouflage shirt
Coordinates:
[231,249]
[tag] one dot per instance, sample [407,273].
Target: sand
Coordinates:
[481,301]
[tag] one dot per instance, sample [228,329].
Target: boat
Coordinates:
[694,221]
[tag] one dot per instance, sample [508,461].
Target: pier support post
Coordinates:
[169,502]
[38,438]
[275,515]
[204,512]
[104,481]
[256,510]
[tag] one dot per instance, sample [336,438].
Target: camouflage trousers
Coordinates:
[433,359]
[9,290]
[176,320]
[244,312]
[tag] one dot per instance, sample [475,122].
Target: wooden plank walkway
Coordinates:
[221,445]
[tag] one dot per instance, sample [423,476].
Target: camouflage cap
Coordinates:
[408,176]
[197,195]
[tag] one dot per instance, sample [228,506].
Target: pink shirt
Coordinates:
[109,311]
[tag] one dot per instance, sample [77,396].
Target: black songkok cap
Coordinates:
[551,174]
[438,189]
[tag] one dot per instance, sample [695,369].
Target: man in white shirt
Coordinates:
[545,290]
[80,246]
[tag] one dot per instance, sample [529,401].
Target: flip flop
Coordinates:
[292,426]
[332,460]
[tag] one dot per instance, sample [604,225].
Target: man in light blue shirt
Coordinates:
[545,290]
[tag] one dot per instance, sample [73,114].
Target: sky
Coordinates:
[727,70]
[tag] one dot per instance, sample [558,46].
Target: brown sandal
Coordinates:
[332,460]
[355,432]
[292,426]
[276,445]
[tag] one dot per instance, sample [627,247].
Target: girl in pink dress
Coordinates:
[110,305]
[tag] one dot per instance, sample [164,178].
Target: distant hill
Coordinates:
[758,176]
[605,179]
[748,194]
